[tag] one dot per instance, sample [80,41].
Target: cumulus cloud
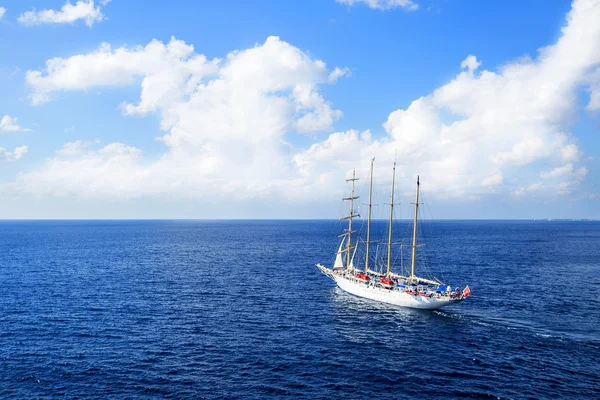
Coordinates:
[470,63]
[562,180]
[15,155]
[557,172]
[523,191]
[493,180]
[227,124]
[478,130]
[9,124]
[226,120]
[111,169]
[169,71]
[594,103]
[338,73]
[2,12]
[84,10]
[383,4]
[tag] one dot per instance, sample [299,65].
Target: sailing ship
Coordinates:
[389,287]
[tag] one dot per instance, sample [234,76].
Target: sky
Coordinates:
[237,109]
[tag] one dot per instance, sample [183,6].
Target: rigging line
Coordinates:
[338,226]
[429,214]
[335,228]
[360,233]
[424,258]
[406,237]
[331,245]
[360,230]
[440,268]
[426,253]
[401,260]
[395,255]
[381,261]
[377,263]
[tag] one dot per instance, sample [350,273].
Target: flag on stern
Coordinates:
[466,292]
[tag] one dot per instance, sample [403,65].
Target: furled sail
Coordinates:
[338,258]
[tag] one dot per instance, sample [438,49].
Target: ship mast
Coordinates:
[389,252]
[351,215]
[369,219]
[414,238]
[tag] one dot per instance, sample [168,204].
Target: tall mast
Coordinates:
[414,238]
[369,219]
[389,252]
[351,215]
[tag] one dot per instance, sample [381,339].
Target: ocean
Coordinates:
[237,309]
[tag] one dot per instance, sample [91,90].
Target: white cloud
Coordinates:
[75,148]
[594,99]
[227,124]
[15,155]
[169,72]
[522,191]
[112,170]
[569,178]
[338,73]
[557,172]
[483,126]
[225,120]
[383,4]
[535,186]
[569,185]
[2,12]
[594,104]
[9,124]
[493,180]
[561,180]
[321,118]
[470,63]
[84,10]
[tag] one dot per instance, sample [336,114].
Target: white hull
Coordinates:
[393,296]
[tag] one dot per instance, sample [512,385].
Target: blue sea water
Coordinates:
[236,309]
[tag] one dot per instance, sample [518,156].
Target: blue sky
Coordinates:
[261,109]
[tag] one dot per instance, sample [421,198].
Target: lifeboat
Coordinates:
[386,281]
[362,276]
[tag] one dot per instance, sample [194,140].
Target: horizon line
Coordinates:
[292,219]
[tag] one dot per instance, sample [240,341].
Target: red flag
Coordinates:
[466,292]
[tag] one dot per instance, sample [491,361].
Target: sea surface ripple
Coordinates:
[236,309]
